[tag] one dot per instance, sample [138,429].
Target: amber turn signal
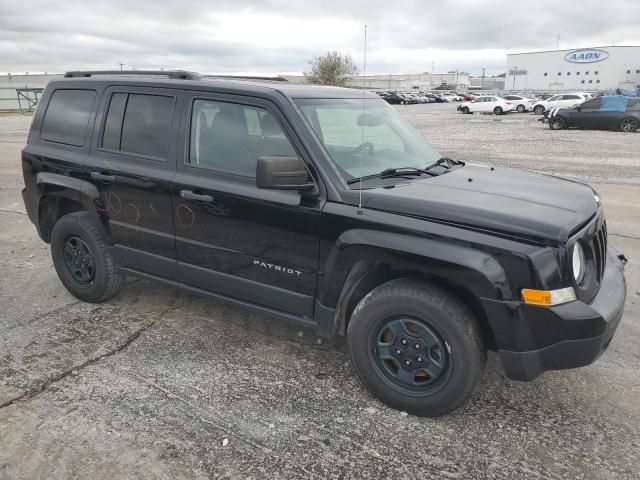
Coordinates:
[548,298]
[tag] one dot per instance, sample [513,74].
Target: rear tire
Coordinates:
[538,109]
[465,110]
[521,109]
[628,124]
[405,321]
[82,259]
[498,111]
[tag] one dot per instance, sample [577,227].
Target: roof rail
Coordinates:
[172,74]
[248,77]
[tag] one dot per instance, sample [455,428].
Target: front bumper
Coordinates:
[532,340]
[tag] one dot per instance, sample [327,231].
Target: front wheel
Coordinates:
[416,348]
[465,110]
[628,124]
[538,110]
[557,123]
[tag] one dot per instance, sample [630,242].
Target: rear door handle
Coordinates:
[189,195]
[102,177]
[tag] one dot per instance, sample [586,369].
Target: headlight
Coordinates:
[577,262]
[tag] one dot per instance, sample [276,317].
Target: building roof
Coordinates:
[574,49]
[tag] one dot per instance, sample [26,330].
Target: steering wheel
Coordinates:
[366,145]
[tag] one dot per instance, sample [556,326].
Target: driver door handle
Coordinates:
[189,195]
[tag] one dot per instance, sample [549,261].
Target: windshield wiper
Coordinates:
[393,172]
[445,162]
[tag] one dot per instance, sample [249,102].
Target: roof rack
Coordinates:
[172,74]
[248,77]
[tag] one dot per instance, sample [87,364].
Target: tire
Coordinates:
[538,109]
[557,123]
[498,111]
[465,110]
[628,124]
[417,312]
[521,108]
[82,259]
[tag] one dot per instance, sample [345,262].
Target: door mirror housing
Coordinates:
[282,173]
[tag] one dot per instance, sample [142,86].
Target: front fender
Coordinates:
[434,258]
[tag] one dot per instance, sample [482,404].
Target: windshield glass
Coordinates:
[367,128]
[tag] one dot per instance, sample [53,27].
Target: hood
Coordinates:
[502,199]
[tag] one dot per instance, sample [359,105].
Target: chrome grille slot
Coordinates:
[598,246]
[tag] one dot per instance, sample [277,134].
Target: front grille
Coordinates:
[598,245]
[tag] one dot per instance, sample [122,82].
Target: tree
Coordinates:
[332,68]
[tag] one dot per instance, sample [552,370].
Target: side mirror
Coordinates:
[282,173]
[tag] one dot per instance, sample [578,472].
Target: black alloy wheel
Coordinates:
[79,260]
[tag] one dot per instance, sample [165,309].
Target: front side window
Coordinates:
[555,97]
[229,137]
[139,124]
[67,117]
[592,105]
[366,136]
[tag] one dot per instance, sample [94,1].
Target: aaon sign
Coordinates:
[586,55]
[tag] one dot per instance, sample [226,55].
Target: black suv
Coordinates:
[321,206]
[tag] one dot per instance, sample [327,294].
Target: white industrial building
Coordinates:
[598,68]
[455,80]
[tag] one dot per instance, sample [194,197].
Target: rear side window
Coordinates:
[139,124]
[67,117]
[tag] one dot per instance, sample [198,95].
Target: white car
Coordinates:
[487,104]
[563,100]
[523,104]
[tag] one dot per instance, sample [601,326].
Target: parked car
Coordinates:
[601,113]
[393,98]
[486,104]
[563,100]
[522,104]
[281,199]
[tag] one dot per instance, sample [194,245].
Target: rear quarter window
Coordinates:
[67,116]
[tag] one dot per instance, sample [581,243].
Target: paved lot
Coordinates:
[151,383]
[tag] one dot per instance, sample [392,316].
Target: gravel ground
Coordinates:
[160,384]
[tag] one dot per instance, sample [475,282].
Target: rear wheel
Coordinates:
[416,348]
[498,111]
[521,108]
[557,123]
[82,259]
[538,109]
[465,109]
[628,124]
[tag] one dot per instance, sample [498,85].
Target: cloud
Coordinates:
[280,36]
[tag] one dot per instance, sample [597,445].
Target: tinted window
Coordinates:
[230,137]
[67,117]
[113,124]
[146,125]
[593,104]
[571,97]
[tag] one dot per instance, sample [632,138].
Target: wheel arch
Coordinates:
[364,260]
[60,195]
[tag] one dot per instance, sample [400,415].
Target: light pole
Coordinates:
[482,88]
[515,72]
[121,65]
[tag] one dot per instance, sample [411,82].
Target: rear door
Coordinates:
[132,163]
[250,244]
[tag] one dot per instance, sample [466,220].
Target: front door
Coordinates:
[259,246]
[132,163]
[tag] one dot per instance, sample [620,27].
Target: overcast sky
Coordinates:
[279,36]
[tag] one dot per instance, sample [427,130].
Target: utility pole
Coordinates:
[482,88]
[558,42]
[515,72]
[121,65]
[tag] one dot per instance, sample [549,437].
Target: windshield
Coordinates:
[369,130]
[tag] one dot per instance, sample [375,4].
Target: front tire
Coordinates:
[557,123]
[416,348]
[538,110]
[82,259]
[465,110]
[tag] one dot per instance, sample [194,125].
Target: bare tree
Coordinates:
[332,68]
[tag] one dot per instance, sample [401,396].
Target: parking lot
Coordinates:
[157,383]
